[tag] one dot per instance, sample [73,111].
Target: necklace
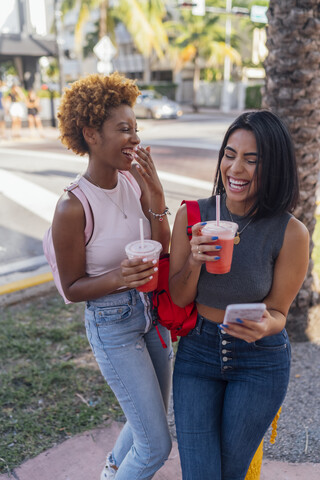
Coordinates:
[125,216]
[236,240]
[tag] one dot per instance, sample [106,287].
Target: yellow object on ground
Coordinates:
[255,465]
[26,283]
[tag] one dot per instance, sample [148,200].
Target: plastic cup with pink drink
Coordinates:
[149,249]
[225,231]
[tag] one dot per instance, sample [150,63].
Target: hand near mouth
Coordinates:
[147,169]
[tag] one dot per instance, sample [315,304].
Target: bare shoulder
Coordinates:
[296,232]
[69,207]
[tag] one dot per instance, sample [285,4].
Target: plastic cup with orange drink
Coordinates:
[148,249]
[225,232]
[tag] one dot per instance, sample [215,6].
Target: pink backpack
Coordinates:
[48,242]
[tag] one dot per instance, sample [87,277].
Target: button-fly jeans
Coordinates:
[139,371]
[226,394]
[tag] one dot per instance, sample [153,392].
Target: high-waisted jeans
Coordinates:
[226,394]
[139,371]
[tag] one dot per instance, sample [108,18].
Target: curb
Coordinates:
[26,283]
[26,288]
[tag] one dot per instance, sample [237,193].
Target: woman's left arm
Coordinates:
[152,196]
[289,272]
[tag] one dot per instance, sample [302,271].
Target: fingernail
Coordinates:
[154,262]
[144,260]
[204,223]
[218,247]
[239,320]
[222,326]
[214,238]
[155,269]
[217,258]
[151,277]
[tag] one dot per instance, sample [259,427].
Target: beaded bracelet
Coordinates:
[160,215]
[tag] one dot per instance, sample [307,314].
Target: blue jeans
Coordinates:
[139,371]
[226,394]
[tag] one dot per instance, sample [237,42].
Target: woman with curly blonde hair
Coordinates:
[96,119]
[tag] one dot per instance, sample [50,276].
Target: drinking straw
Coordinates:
[218,209]
[141,233]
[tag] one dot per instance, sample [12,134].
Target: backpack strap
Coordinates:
[193,213]
[76,190]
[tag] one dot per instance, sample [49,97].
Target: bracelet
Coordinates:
[160,215]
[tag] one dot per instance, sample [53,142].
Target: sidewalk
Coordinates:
[82,457]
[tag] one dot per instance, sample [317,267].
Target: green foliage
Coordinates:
[253,96]
[51,387]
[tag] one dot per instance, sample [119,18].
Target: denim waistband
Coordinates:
[129,297]
[209,325]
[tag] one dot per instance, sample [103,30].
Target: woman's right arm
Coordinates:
[185,259]
[69,244]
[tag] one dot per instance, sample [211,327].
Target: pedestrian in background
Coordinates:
[33,107]
[96,119]
[16,99]
[231,379]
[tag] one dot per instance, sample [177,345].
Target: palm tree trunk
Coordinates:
[293,92]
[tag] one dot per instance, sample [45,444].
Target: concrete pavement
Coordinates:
[82,458]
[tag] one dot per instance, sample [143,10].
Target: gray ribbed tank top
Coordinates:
[251,274]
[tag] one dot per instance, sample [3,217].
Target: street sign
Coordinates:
[105,49]
[258,14]
[104,67]
[199,7]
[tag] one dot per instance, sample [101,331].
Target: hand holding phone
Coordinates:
[248,311]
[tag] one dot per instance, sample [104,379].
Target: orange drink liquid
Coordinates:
[150,249]
[152,284]
[225,232]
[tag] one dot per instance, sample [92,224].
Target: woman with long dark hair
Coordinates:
[231,379]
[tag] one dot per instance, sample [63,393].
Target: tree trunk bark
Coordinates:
[293,92]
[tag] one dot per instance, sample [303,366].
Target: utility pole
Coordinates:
[225,97]
[59,40]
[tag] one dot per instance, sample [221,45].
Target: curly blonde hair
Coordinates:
[89,102]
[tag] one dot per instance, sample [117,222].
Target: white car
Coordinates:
[150,104]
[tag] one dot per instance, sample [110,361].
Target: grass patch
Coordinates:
[51,387]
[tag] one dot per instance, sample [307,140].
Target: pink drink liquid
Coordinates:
[152,284]
[224,264]
[225,232]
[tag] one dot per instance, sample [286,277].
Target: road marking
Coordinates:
[184,143]
[43,155]
[23,265]
[29,195]
[187,181]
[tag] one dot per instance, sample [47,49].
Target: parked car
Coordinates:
[151,104]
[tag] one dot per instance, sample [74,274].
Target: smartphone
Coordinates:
[249,311]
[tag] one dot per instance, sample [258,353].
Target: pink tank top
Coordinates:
[111,231]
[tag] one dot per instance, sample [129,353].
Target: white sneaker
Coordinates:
[110,470]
